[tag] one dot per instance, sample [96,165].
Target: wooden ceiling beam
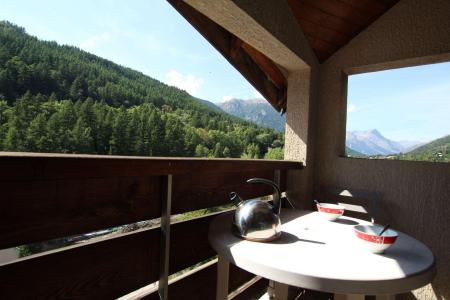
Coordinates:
[255,67]
[266,65]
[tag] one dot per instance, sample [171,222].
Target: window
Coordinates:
[400,114]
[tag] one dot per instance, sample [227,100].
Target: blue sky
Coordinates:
[150,36]
[146,35]
[403,104]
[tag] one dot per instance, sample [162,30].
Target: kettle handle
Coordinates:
[277,198]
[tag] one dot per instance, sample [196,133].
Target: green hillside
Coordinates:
[353,153]
[437,150]
[57,98]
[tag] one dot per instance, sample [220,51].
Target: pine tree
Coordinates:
[82,140]
[157,134]
[173,139]
[3,112]
[89,117]
[78,88]
[36,139]
[120,139]
[134,131]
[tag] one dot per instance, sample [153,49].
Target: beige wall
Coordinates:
[415,195]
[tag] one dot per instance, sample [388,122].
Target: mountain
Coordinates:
[58,98]
[258,111]
[372,142]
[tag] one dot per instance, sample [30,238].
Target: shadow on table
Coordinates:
[289,238]
[346,222]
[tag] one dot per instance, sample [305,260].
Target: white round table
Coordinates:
[320,255]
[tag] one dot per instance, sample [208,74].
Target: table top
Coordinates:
[325,255]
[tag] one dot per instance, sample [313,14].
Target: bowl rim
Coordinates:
[330,206]
[388,233]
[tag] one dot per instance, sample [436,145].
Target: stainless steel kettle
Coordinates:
[257,220]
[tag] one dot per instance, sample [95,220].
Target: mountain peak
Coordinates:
[242,101]
[255,110]
[375,132]
[257,101]
[372,142]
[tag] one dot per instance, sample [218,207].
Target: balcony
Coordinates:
[48,196]
[298,54]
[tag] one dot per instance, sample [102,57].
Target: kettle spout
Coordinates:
[235,198]
[277,196]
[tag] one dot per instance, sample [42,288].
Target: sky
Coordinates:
[150,36]
[411,104]
[146,35]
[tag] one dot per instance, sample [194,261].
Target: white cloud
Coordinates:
[227,98]
[257,94]
[189,82]
[351,108]
[95,41]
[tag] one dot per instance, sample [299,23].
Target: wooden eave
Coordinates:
[328,25]
[258,69]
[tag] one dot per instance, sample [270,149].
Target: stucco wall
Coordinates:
[414,195]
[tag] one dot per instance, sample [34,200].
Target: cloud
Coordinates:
[227,98]
[189,83]
[95,41]
[351,108]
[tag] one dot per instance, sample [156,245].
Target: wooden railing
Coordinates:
[48,196]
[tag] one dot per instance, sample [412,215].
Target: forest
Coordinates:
[60,99]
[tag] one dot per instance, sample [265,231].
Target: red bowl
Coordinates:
[369,238]
[330,211]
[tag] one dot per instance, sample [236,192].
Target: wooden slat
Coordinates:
[40,210]
[101,270]
[374,7]
[322,48]
[189,243]
[28,166]
[341,10]
[201,285]
[254,291]
[202,190]
[330,36]
[222,40]
[303,11]
[238,277]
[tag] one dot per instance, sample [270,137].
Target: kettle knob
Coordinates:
[235,198]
